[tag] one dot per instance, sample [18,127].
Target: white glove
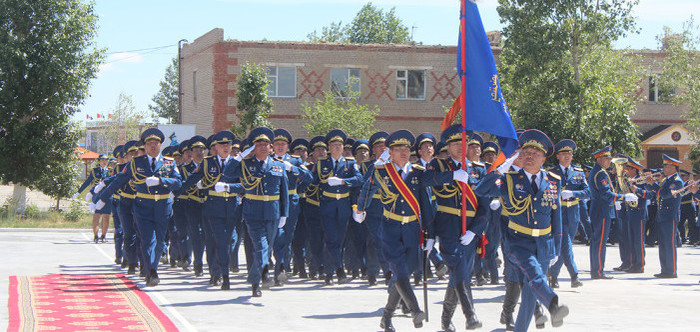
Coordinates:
[553,261]
[383,159]
[334,181]
[566,194]
[152,181]
[172,196]
[429,244]
[508,163]
[495,204]
[91,207]
[288,166]
[99,187]
[88,197]
[76,195]
[461,176]
[467,238]
[283,221]
[247,151]
[630,197]
[221,187]
[199,185]
[359,217]
[99,205]
[618,205]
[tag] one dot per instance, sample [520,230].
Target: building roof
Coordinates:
[84,153]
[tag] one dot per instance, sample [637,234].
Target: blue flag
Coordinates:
[484,107]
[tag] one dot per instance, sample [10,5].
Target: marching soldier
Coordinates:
[493,231]
[603,199]
[97,174]
[263,180]
[155,178]
[297,176]
[118,232]
[335,177]
[364,257]
[180,206]
[449,182]
[311,212]
[405,203]
[574,190]
[669,201]
[373,220]
[300,147]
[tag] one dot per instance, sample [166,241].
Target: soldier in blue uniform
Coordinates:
[358,255]
[687,211]
[263,180]
[602,210]
[118,153]
[532,238]
[636,216]
[335,176]
[180,202]
[300,147]
[312,216]
[449,182]
[668,197]
[297,176]
[100,215]
[155,178]
[405,205]
[489,153]
[574,189]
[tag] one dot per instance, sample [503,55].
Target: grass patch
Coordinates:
[45,220]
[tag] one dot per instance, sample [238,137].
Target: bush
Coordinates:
[31,211]
[74,212]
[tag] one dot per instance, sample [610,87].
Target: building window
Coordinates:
[410,84]
[283,81]
[345,82]
[659,94]
[194,86]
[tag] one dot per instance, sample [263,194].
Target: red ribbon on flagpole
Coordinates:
[463,100]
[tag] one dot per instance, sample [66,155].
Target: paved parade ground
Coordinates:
[630,302]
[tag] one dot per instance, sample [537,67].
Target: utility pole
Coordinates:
[179,80]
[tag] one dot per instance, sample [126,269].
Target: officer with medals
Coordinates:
[155,178]
[405,203]
[668,196]
[297,175]
[449,182]
[603,199]
[263,180]
[532,239]
[335,176]
[636,216]
[96,175]
[312,215]
[574,190]
[300,147]
[373,221]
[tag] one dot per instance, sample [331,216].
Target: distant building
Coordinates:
[411,84]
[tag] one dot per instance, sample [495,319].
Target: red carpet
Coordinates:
[68,302]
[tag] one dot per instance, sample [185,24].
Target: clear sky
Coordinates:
[129,30]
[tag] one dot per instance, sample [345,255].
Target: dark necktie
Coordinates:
[535,187]
[222,164]
[335,166]
[566,173]
[401,173]
[153,164]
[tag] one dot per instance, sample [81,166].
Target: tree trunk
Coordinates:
[19,198]
[58,204]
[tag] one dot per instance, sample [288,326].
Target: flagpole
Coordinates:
[463,36]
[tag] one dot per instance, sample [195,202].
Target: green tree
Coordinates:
[561,75]
[61,180]
[252,99]
[123,124]
[331,112]
[165,102]
[47,59]
[371,25]
[681,73]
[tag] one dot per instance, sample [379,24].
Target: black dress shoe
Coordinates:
[329,280]
[226,284]
[387,277]
[558,312]
[118,261]
[256,290]
[665,275]
[621,268]
[602,277]
[96,239]
[372,280]
[153,280]
[102,239]
[417,281]
[635,270]
[132,269]
[553,282]
[576,282]
[473,323]
[494,281]
[124,263]
[312,276]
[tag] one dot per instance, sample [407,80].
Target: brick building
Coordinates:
[411,84]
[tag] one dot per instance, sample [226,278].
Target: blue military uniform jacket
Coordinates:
[264,185]
[151,203]
[534,218]
[602,195]
[97,174]
[219,205]
[439,175]
[669,206]
[346,169]
[298,177]
[640,212]
[395,206]
[575,181]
